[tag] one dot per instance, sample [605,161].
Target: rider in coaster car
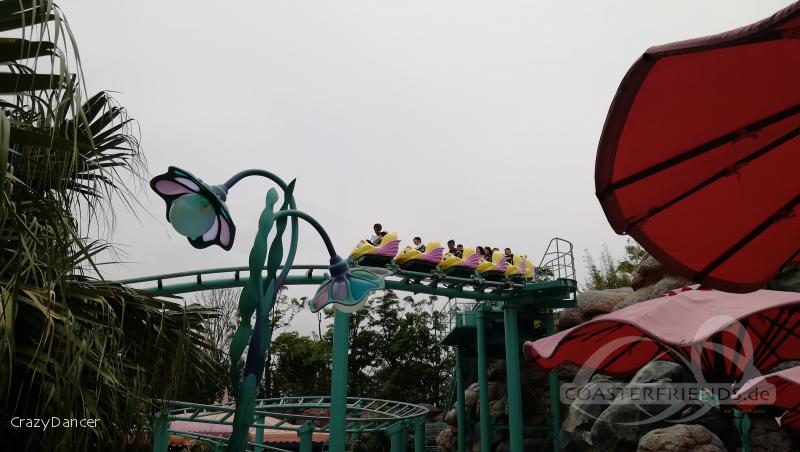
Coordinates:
[376,237]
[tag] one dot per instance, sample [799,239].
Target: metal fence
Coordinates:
[558,261]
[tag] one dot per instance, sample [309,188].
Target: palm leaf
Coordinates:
[13,49]
[72,344]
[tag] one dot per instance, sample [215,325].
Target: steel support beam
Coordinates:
[555,403]
[515,424]
[341,345]
[461,410]
[259,433]
[419,435]
[483,382]
[306,434]
[161,432]
[397,435]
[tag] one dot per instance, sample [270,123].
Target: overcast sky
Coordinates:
[477,121]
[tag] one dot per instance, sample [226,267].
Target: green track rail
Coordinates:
[557,293]
[364,415]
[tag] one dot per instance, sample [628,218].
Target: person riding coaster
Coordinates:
[413,259]
[465,267]
[494,269]
[367,254]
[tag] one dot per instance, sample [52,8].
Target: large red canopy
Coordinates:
[699,156]
[723,335]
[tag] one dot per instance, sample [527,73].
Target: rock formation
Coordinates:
[616,425]
[680,438]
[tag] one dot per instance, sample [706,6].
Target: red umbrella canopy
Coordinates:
[719,335]
[779,389]
[699,153]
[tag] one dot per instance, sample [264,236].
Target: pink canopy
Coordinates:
[779,389]
[722,334]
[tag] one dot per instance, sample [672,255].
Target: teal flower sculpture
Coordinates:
[196,210]
[347,289]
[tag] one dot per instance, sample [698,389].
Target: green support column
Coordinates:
[306,434]
[397,433]
[515,427]
[742,422]
[419,435]
[483,381]
[461,409]
[555,404]
[341,339]
[160,432]
[746,433]
[404,438]
[219,447]
[259,434]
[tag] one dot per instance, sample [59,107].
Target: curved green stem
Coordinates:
[314,223]
[254,172]
[292,205]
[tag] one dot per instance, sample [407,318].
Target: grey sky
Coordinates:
[472,120]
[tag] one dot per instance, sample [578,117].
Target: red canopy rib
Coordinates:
[702,149]
[782,213]
[723,173]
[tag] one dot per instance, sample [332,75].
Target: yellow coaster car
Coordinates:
[525,266]
[453,265]
[484,266]
[513,268]
[366,253]
[521,268]
[411,256]
[450,260]
[497,265]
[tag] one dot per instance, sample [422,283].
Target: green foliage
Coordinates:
[73,345]
[302,365]
[280,316]
[410,364]
[394,354]
[611,273]
[544,273]
[634,255]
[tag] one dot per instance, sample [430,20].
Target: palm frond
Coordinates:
[72,345]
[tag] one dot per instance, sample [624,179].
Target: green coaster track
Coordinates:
[365,415]
[495,304]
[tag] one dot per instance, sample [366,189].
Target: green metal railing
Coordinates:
[558,261]
[300,415]
[439,285]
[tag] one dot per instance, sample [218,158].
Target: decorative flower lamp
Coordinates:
[347,289]
[198,212]
[195,209]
